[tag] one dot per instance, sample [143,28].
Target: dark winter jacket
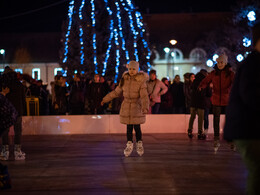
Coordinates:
[77,93]
[199,97]
[96,92]
[187,93]
[177,91]
[222,81]
[243,111]
[16,95]
[8,114]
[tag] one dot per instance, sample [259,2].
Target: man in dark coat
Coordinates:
[177,91]
[242,113]
[76,97]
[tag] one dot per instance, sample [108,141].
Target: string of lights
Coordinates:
[120,45]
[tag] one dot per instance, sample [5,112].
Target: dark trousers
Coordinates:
[155,108]
[138,132]
[17,133]
[200,113]
[217,110]
[206,118]
[250,152]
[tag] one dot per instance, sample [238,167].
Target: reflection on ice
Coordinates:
[63,120]
[96,117]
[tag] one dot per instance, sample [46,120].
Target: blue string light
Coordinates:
[94,35]
[117,35]
[70,13]
[81,33]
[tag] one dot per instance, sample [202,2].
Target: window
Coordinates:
[36,73]
[198,54]
[19,70]
[57,71]
[174,54]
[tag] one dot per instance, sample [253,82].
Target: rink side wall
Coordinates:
[108,124]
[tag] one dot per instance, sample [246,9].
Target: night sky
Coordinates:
[50,18]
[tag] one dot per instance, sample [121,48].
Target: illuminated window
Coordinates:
[57,71]
[36,73]
[198,54]
[19,70]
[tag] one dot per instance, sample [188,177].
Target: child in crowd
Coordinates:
[134,106]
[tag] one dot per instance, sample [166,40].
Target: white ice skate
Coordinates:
[4,153]
[18,153]
[139,148]
[129,148]
[216,145]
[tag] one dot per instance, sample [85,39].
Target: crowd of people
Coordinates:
[138,93]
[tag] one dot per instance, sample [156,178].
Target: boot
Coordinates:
[129,148]
[4,153]
[140,148]
[216,143]
[190,135]
[201,136]
[18,153]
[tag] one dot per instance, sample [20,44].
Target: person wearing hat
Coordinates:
[242,115]
[221,78]
[134,106]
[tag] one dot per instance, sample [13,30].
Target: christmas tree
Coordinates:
[102,36]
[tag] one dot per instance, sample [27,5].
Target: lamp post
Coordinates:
[173,42]
[2,51]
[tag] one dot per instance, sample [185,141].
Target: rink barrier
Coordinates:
[108,124]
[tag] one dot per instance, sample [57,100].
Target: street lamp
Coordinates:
[2,51]
[172,42]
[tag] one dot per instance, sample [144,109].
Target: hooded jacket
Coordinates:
[136,101]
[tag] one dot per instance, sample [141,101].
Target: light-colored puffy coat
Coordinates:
[136,101]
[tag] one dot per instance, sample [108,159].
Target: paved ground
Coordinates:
[94,164]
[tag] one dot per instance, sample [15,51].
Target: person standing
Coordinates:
[242,115]
[76,96]
[17,97]
[155,88]
[177,91]
[134,106]
[221,78]
[197,106]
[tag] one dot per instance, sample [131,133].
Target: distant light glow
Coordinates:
[173,54]
[36,73]
[240,57]
[215,56]
[246,42]
[19,70]
[176,68]
[209,63]
[166,49]
[173,42]
[251,16]
[2,51]
[56,70]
